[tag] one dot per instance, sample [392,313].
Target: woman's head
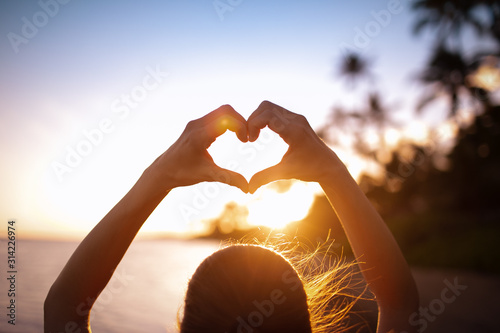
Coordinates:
[245,289]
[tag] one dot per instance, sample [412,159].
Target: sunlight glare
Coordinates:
[275,210]
[250,157]
[417,131]
[372,138]
[447,130]
[392,137]
[487,76]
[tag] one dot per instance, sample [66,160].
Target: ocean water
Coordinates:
[148,288]
[144,295]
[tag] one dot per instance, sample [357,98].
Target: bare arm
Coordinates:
[379,257]
[186,162]
[378,254]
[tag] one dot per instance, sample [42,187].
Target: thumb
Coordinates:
[266,176]
[229,177]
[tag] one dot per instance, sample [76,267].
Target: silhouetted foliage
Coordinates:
[447,17]
[448,68]
[354,67]
[232,218]
[413,184]
[475,166]
[447,71]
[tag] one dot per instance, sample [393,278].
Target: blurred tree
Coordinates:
[451,17]
[475,176]
[447,69]
[446,72]
[354,67]
[354,123]
[433,200]
[448,17]
[233,217]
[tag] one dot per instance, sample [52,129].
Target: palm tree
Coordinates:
[448,17]
[447,69]
[450,74]
[446,72]
[355,123]
[354,67]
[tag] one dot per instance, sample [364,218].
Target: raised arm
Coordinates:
[186,162]
[379,257]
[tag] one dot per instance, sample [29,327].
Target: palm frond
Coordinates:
[425,101]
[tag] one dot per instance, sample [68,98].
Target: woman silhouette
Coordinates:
[240,288]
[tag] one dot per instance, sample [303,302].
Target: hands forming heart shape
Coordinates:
[187,161]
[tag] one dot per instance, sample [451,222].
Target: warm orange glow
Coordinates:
[78,203]
[392,137]
[447,130]
[487,76]
[417,131]
[372,138]
[357,165]
[224,124]
[275,210]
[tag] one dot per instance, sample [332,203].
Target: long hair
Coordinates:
[270,287]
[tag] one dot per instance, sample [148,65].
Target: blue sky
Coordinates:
[71,77]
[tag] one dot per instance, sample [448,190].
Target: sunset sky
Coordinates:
[92,92]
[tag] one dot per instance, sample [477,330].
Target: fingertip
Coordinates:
[242,135]
[253,134]
[252,190]
[228,109]
[253,185]
[240,182]
[265,176]
[233,179]
[243,187]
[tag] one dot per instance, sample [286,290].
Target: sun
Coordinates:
[275,209]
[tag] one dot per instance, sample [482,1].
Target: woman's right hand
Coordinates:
[187,161]
[308,158]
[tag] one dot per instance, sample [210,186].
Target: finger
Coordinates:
[263,106]
[224,118]
[278,119]
[229,177]
[255,123]
[266,176]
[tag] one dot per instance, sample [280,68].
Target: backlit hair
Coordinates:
[261,288]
